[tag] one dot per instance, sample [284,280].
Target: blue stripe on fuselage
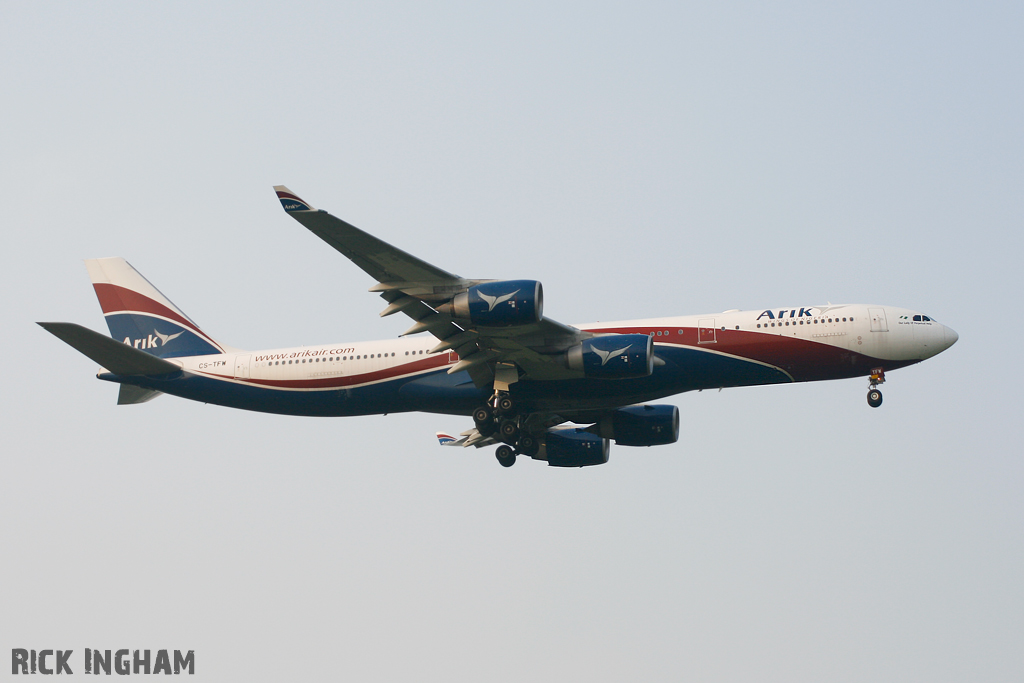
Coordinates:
[685,369]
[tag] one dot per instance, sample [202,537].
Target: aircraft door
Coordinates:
[878,323]
[242,367]
[706,331]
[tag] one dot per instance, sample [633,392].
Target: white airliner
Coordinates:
[525,379]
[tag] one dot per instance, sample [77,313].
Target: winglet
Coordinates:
[447,439]
[290,201]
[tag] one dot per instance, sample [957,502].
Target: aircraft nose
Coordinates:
[950,336]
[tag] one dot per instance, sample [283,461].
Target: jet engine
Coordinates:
[573,447]
[500,304]
[614,356]
[640,426]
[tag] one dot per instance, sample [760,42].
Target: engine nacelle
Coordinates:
[640,426]
[615,356]
[574,448]
[501,304]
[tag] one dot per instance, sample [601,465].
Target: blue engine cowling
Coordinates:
[640,426]
[501,304]
[574,448]
[614,356]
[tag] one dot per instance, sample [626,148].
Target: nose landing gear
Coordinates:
[874,395]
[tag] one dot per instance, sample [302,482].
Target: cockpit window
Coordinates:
[917,318]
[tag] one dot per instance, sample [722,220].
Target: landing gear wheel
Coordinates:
[483,414]
[506,456]
[509,431]
[874,398]
[506,404]
[527,445]
[483,418]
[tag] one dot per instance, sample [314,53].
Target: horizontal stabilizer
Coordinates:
[131,394]
[116,357]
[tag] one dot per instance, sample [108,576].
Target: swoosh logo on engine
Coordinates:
[493,301]
[608,355]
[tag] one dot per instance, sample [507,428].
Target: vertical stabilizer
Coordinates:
[140,316]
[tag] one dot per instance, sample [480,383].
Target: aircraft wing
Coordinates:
[421,291]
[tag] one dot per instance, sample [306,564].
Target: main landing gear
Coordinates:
[874,395]
[498,418]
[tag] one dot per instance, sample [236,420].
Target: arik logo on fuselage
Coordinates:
[797,312]
[150,342]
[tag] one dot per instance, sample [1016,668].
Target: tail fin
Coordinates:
[140,316]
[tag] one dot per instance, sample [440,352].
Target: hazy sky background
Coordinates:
[641,159]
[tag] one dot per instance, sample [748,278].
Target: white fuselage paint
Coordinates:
[897,337]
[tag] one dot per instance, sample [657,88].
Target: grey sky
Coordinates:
[641,160]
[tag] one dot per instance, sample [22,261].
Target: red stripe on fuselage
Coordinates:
[340,382]
[804,360]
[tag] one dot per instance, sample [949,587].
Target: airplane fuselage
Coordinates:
[730,349]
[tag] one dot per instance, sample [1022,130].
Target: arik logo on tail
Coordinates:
[150,342]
